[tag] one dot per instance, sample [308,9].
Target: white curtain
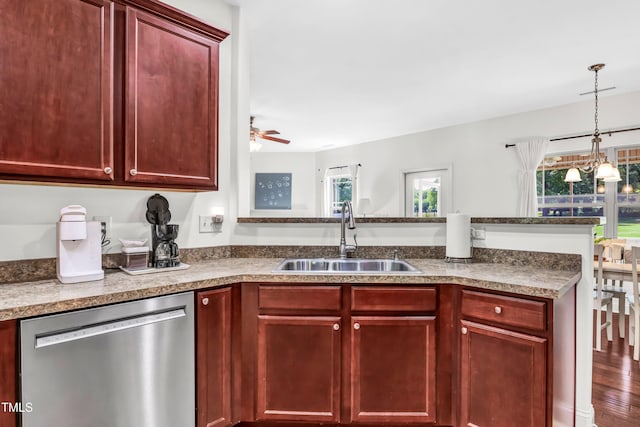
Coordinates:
[530,153]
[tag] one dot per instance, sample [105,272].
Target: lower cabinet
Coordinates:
[498,366]
[431,355]
[381,370]
[213,357]
[504,359]
[393,369]
[8,373]
[298,368]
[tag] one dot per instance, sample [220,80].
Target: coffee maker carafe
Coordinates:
[163,234]
[165,249]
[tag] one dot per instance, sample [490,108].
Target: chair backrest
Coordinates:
[614,249]
[635,255]
[598,250]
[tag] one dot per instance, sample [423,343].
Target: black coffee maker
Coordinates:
[165,249]
[163,234]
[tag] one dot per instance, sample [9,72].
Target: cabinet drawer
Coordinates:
[509,311]
[299,298]
[392,298]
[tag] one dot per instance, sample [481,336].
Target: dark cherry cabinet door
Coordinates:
[499,366]
[171,96]
[8,371]
[393,369]
[213,365]
[299,368]
[56,108]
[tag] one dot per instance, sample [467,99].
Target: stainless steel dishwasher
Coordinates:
[125,365]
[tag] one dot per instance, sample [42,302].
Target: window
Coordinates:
[340,184]
[339,189]
[628,193]
[425,193]
[618,202]
[559,198]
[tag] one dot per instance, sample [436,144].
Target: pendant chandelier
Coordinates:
[596,162]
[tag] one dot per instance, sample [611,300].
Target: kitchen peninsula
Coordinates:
[457,305]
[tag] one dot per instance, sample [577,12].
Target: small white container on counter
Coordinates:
[135,258]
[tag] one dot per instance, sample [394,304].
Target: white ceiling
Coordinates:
[329,73]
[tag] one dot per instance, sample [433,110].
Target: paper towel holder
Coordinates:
[455,260]
[466,250]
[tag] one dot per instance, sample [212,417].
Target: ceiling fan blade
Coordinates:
[272,138]
[268,132]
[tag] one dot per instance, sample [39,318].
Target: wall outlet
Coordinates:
[478,233]
[106,225]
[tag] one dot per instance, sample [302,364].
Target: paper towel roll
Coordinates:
[458,235]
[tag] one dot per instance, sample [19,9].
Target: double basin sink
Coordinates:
[347,265]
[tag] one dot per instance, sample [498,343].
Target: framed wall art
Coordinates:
[273,191]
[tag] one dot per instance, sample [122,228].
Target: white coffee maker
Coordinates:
[79,247]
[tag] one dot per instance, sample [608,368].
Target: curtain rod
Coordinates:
[345,166]
[609,132]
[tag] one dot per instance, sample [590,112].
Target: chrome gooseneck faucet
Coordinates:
[343,247]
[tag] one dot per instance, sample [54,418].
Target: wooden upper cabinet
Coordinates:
[120,92]
[56,108]
[171,104]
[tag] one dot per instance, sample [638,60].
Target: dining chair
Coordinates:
[602,299]
[614,250]
[634,305]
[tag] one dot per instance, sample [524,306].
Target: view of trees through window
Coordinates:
[426,202]
[619,202]
[426,193]
[341,190]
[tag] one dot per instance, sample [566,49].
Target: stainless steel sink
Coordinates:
[349,265]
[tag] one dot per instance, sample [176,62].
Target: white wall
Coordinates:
[28,212]
[303,186]
[484,172]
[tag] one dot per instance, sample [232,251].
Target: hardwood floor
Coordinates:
[616,382]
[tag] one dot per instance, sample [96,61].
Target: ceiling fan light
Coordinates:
[605,170]
[573,175]
[254,146]
[615,176]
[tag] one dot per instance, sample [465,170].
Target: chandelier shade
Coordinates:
[615,176]
[573,175]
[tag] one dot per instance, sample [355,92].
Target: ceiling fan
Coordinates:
[264,134]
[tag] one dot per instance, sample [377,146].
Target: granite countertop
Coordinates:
[19,300]
[549,220]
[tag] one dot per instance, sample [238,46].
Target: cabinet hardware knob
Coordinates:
[356,326]
[336,326]
[133,172]
[464,331]
[498,309]
[205,301]
[108,170]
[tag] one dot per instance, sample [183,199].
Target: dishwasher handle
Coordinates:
[108,327]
